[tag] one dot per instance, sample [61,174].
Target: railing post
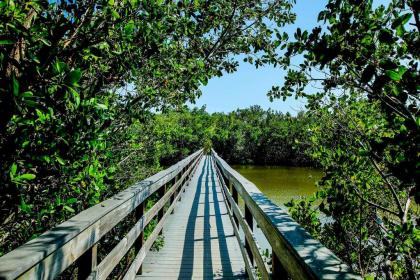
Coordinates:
[161,193]
[235,198]
[175,192]
[180,185]
[226,182]
[250,221]
[186,177]
[87,262]
[140,240]
[277,269]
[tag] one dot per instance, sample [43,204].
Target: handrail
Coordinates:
[76,239]
[295,253]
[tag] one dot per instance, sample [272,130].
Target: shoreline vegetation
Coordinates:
[93,94]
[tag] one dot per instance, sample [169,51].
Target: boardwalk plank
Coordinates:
[199,237]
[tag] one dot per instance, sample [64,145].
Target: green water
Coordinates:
[281,183]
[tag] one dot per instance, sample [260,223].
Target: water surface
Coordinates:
[281,183]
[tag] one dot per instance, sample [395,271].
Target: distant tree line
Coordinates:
[244,136]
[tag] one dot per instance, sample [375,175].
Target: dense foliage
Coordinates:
[92,94]
[261,137]
[244,136]
[78,78]
[365,62]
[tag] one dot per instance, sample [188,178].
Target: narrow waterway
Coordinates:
[281,183]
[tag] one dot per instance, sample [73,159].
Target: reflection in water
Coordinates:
[281,183]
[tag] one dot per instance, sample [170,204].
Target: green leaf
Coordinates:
[27,94]
[75,95]
[26,176]
[13,169]
[71,200]
[23,206]
[45,42]
[41,115]
[60,160]
[68,208]
[400,30]
[200,63]
[129,28]
[115,14]
[73,77]
[30,103]
[59,67]
[25,144]
[7,42]
[15,86]
[401,20]
[395,76]
[402,70]
[101,106]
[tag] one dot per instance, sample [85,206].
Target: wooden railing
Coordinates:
[295,254]
[76,240]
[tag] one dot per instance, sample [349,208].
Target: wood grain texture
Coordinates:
[138,261]
[48,255]
[202,237]
[302,256]
[250,239]
[199,237]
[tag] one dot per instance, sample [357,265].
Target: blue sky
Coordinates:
[249,86]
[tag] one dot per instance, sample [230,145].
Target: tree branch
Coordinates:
[18,51]
[373,203]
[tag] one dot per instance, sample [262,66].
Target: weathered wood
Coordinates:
[199,238]
[161,193]
[139,241]
[295,253]
[132,271]
[52,252]
[253,249]
[302,256]
[135,235]
[248,266]
[236,201]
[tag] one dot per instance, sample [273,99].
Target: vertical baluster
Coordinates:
[235,198]
[87,262]
[175,192]
[277,269]
[227,182]
[161,193]
[186,179]
[250,221]
[140,240]
[182,181]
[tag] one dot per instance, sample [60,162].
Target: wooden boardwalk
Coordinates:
[199,238]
